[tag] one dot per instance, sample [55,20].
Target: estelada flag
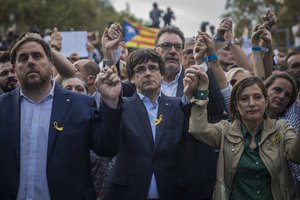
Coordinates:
[137,36]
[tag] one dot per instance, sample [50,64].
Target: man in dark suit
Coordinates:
[47,132]
[201,172]
[152,136]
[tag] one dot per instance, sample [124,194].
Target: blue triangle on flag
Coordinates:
[129,31]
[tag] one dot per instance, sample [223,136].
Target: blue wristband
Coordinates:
[211,58]
[258,48]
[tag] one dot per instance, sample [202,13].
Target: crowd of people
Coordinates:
[191,119]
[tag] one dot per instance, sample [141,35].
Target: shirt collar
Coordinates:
[176,77]
[144,98]
[245,131]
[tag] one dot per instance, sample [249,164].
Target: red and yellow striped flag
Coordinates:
[137,36]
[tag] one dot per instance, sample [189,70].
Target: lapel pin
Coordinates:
[55,124]
[276,139]
[158,120]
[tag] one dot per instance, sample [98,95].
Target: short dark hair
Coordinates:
[5,57]
[30,37]
[270,80]
[91,68]
[170,29]
[140,56]
[294,52]
[237,90]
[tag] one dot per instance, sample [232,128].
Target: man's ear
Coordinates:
[90,79]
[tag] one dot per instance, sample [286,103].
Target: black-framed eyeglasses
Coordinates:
[188,52]
[166,46]
[143,69]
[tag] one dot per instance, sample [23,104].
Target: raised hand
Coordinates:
[224,29]
[195,79]
[208,42]
[261,36]
[111,37]
[266,38]
[108,84]
[56,40]
[269,22]
[199,49]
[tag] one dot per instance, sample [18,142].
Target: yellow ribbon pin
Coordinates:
[157,121]
[55,124]
[275,138]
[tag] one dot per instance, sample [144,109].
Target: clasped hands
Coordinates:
[195,76]
[108,82]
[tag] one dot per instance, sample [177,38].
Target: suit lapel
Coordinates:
[60,106]
[179,92]
[163,108]
[12,105]
[142,115]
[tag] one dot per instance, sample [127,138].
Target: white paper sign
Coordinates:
[74,42]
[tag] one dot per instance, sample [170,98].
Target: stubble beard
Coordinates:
[36,85]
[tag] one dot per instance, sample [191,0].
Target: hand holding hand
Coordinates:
[199,49]
[261,36]
[108,84]
[224,29]
[210,50]
[195,79]
[269,22]
[266,38]
[111,37]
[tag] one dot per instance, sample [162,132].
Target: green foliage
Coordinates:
[65,15]
[245,14]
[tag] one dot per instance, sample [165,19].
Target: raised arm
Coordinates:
[257,56]
[205,45]
[63,66]
[262,55]
[234,47]
[270,24]
[110,41]
[196,83]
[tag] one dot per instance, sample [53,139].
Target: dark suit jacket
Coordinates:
[68,155]
[140,156]
[200,172]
